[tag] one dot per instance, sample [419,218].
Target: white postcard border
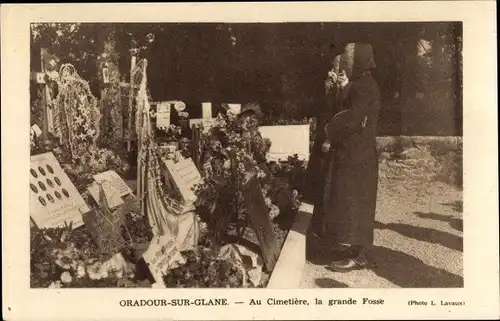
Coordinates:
[481,276]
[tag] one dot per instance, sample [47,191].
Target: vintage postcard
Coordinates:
[250,161]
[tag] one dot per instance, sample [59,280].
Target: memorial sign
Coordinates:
[162,255]
[36,130]
[206,124]
[163,115]
[116,182]
[185,176]
[206,110]
[112,195]
[179,106]
[54,200]
[260,223]
[287,140]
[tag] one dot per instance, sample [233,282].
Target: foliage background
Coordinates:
[282,66]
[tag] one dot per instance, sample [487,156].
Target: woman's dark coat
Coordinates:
[315,173]
[350,171]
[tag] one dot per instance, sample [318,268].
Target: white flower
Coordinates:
[268,201]
[116,265]
[203,226]
[63,261]
[129,270]
[80,270]
[274,212]
[55,285]
[95,271]
[66,277]
[104,273]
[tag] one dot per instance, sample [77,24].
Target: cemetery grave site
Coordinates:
[128,191]
[211,209]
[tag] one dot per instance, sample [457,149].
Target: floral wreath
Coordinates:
[76,115]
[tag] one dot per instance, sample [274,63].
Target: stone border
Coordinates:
[287,273]
[291,262]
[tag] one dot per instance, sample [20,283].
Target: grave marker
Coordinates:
[39,77]
[185,176]
[36,130]
[162,255]
[163,115]
[206,124]
[287,140]
[116,182]
[112,195]
[206,110]
[179,106]
[54,200]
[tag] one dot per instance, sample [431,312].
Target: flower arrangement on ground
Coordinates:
[230,151]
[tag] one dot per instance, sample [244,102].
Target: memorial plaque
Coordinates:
[116,182]
[287,140]
[185,176]
[179,106]
[39,77]
[162,255]
[260,223]
[206,110]
[112,195]
[163,115]
[36,130]
[206,124]
[54,200]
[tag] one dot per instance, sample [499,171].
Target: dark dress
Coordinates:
[350,191]
[313,187]
[319,162]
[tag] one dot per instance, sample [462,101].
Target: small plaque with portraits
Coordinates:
[54,200]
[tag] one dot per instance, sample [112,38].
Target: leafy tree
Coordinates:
[280,65]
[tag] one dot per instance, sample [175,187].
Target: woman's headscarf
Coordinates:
[356,59]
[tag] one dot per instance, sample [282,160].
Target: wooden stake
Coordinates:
[45,96]
[130,98]
[140,189]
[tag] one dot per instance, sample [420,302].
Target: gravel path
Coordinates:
[418,241]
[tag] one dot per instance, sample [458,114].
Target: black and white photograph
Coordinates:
[219,154]
[217,142]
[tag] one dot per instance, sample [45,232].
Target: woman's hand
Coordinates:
[326,146]
[332,75]
[330,81]
[342,79]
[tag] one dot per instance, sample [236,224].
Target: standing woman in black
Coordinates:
[319,160]
[350,192]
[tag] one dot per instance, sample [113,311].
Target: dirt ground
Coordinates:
[418,241]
